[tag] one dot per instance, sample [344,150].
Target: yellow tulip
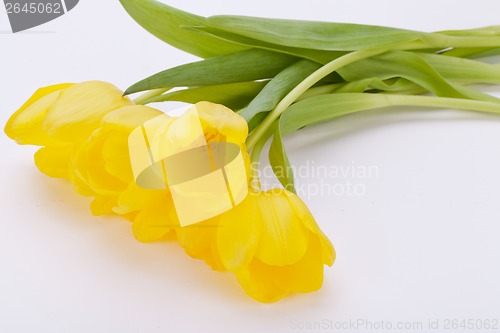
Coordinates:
[84,129]
[96,158]
[26,124]
[270,240]
[61,117]
[290,255]
[218,123]
[101,164]
[64,114]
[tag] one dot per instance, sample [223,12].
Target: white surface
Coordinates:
[421,244]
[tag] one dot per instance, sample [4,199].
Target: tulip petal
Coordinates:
[80,108]
[267,283]
[116,157]
[26,128]
[258,282]
[79,181]
[119,124]
[89,164]
[136,198]
[103,205]
[221,124]
[284,238]
[200,242]
[301,210]
[127,118]
[36,112]
[306,275]
[154,222]
[239,233]
[54,161]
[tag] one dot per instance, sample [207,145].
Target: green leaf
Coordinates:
[463,70]
[279,161]
[233,95]
[472,52]
[278,88]
[396,85]
[323,108]
[166,23]
[248,65]
[493,30]
[256,120]
[316,35]
[332,36]
[411,66]
[320,56]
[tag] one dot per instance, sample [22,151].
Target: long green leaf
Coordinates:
[165,22]
[248,65]
[233,95]
[473,52]
[463,70]
[327,107]
[413,67]
[316,35]
[396,85]
[493,30]
[320,56]
[278,87]
[343,36]
[278,158]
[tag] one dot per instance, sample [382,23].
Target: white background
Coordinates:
[421,244]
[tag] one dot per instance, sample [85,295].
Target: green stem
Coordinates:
[321,90]
[469,41]
[150,94]
[443,102]
[445,41]
[436,41]
[257,148]
[387,100]
[304,86]
[255,155]
[490,31]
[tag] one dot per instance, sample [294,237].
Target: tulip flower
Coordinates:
[64,114]
[269,240]
[217,123]
[286,256]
